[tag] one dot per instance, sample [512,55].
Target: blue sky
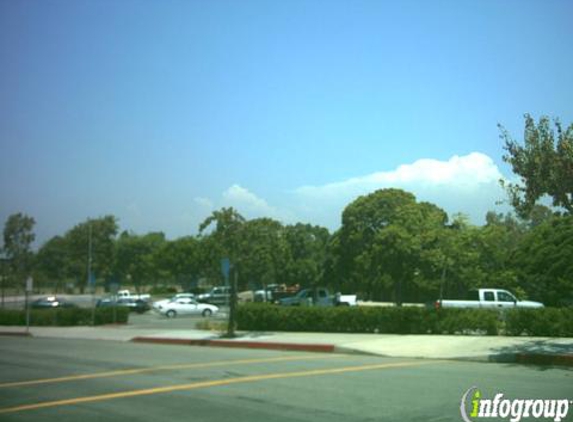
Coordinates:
[159,112]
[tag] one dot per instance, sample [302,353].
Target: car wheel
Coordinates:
[207,312]
[171,314]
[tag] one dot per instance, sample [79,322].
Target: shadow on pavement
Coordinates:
[541,354]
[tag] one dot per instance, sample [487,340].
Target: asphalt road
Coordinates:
[82,380]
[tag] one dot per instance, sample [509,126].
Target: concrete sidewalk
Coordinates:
[536,350]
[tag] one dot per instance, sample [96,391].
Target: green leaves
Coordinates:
[386,235]
[544,261]
[18,238]
[544,164]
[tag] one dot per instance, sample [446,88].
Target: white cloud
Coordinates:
[468,171]
[467,184]
[251,206]
[205,204]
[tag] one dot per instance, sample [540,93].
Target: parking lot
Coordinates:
[150,319]
[153,320]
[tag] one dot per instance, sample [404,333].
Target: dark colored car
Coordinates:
[217,296]
[136,305]
[51,302]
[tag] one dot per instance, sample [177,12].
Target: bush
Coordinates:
[64,316]
[261,317]
[468,321]
[162,290]
[406,320]
[546,322]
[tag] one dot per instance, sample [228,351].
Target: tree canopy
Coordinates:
[18,238]
[544,162]
[389,247]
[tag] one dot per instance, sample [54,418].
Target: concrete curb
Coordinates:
[299,347]
[541,359]
[15,333]
[516,358]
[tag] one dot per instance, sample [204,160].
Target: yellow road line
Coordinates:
[207,384]
[162,368]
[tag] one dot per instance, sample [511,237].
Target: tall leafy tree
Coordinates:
[222,232]
[52,261]
[18,238]
[455,265]
[102,232]
[180,261]
[544,162]
[307,254]
[382,238]
[497,244]
[263,253]
[135,258]
[544,262]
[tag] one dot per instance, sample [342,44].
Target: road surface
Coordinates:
[83,380]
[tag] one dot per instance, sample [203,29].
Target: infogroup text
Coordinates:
[474,407]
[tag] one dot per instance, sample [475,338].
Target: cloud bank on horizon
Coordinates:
[463,184]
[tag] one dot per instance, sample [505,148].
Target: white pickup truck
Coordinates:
[488,298]
[126,294]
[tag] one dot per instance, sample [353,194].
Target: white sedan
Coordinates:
[186,306]
[164,302]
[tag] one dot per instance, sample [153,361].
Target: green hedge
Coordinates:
[405,320]
[64,317]
[546,322]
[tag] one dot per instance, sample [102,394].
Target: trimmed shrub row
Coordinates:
[64,316]
[406,320]
[546,322]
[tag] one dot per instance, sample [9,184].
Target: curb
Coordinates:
[299,347]
[16,333]
[511,358]
[540,359]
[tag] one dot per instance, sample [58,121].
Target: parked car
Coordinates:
[318,296]
[488,298]
[126,294]
[217,296]
[51,302]
[186,306]
[135,305]
[156,304]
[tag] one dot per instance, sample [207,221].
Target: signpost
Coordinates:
[226,270]
[29,289]
[113,289]
[91,277]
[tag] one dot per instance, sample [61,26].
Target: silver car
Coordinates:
[186,306]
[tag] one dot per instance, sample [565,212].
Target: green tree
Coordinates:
[307,255]
[263,253]
[382,238]
[224,227]
[457,262]
[497,245]
[180,261]
[544,162]
[52,261]
[224,243]
[544,262]
[102,232]
[538,215]
[18,238]
[136,258]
